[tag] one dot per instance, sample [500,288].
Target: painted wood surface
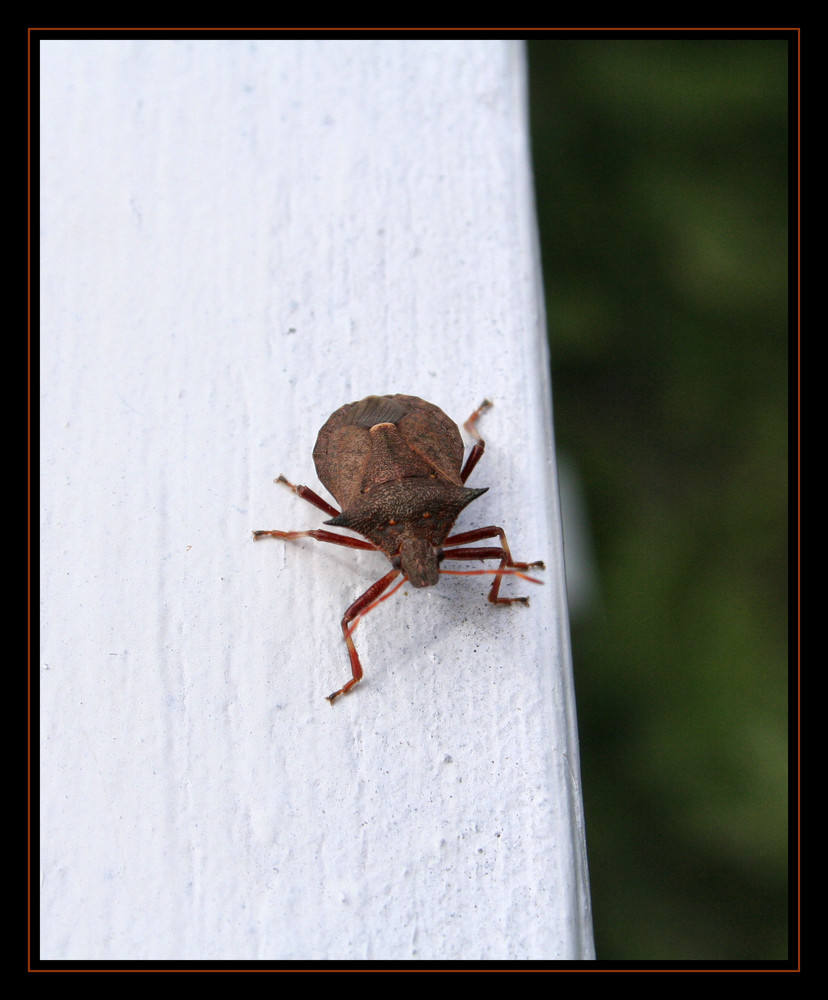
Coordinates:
[237,238]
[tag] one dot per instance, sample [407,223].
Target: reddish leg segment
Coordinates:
[318,533]
[362,605]
[479,446]
[450,551]
[307,494]
[321,536]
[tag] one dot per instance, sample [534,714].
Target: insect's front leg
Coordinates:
[361,606]
[503,553]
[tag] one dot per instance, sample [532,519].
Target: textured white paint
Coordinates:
[238,237]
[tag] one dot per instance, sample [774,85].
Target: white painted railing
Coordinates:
[239,237]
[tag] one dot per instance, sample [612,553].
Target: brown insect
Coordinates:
[395,465]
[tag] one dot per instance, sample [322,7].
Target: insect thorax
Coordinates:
[409,517]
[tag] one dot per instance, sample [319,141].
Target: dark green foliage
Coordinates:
[662,181]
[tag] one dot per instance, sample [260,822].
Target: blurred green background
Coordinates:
[662,183]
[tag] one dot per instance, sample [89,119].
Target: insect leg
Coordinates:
[307,494]
[362,605]
[321,536]
[502,553]
[479,446]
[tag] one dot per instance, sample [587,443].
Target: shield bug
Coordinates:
[395,465]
